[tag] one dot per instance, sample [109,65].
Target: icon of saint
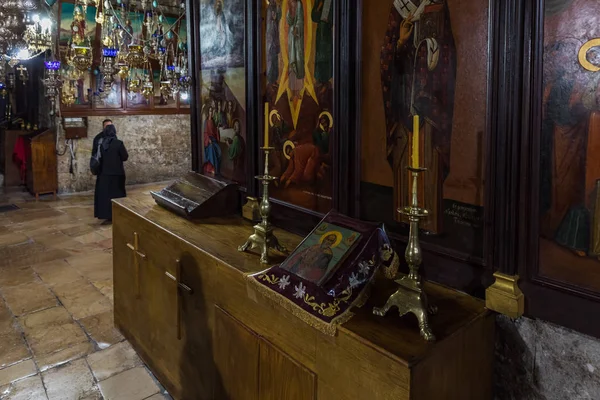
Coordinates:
[313,262]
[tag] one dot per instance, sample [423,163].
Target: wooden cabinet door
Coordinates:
[42,165]
[146,299]
[189,316]
[129,262]
[282,378]
[236,359]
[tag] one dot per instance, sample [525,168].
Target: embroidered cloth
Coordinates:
[329,272]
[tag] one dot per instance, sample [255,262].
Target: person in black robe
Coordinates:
[99,136]
[110,183]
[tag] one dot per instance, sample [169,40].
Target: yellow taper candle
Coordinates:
[415,142]
[266,144]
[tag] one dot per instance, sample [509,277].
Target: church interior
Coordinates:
[299,199]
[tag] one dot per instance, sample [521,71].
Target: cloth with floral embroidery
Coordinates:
[329,272]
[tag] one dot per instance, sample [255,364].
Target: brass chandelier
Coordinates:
[25,29]
[131,55]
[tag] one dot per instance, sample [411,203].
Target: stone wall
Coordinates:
[159,149]
[536,360]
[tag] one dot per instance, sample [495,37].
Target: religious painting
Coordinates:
[299,88]
[77,89]
[222,33]
[222,77]
[134,24]
[108,97]
[428,60]
[224,123]
[569,197]
[76,25]
[318,256]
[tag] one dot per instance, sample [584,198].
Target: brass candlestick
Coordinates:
[410,296]
[263,236]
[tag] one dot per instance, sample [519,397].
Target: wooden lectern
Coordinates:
[198,196]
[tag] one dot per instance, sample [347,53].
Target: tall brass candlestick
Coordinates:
[263,236]
[410,296]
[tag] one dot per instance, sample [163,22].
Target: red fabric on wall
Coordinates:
[20,156]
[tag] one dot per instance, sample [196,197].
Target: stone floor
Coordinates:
[57,337]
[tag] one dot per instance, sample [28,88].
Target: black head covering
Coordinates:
[110,133]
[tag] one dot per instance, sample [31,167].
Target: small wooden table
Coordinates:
[182,300]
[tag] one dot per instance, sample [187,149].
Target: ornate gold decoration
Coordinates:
[328,309]
[165,89]
[135,85]
[136,57]
[68,94]
[583,52]
[81,58]
[263,236]
[148,88]
[327,328]
[410,296]
[505,297]
[123,71]
[272,279]
[391,271]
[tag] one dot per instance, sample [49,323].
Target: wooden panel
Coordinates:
[236,359]
[140,308]
[193,353]
[265,318]
[283,378]
[159,295]
[129,310]
[352,369]
[42,175]
[443,374]
[151,322]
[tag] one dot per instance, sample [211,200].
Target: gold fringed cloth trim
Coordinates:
[327,328]
[328,306]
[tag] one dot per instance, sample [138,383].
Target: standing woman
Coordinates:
[110,183]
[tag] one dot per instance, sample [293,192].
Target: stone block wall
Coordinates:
[159,149]
[537,360]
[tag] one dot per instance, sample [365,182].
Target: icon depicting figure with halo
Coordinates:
[312,263]
[317,258]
